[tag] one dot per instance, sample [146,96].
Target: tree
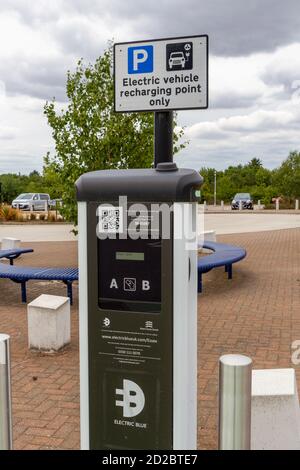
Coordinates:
[255,164]
[252,178]
[263,177]
[11,186]
[287,176]
[207,190]
[89,135]
[34,174]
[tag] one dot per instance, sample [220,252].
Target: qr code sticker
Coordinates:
[110,219]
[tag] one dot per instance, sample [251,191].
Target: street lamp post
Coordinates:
[215,189]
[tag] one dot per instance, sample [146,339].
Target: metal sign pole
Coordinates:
[163,137]
[215,188]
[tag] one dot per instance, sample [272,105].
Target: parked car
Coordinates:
[32,202]
[245,199]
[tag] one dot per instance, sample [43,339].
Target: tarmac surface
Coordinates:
[36,232]
[222,223]
[235,222]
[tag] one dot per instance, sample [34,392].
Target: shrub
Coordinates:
[51,218]
[20,217]
[8,213]
[287,203]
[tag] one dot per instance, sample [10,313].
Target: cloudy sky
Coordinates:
[254,73]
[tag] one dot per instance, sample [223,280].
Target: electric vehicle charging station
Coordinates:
[138,312]
[138,303]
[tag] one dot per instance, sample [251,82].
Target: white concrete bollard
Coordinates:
[222,205]
[277,204]
[10,243]
[49,323]
[275,419]
[240,205]
[297,204]
[204,206]
[258,206]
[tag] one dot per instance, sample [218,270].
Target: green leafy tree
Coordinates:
[11,186]
[255,164]
[252,178]
[52,185]
[263,177]
[260,182]
[225,188]
[287,176]
[89,135]
[207,190]
[35,183]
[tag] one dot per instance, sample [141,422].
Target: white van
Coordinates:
[32,202]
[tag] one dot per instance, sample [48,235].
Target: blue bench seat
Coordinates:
[22,274]
[14,253]
[223,255]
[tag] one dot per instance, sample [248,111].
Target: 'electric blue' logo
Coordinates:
[140,59]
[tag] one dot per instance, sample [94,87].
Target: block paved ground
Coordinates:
[257,313]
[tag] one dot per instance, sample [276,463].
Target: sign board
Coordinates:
[161,74]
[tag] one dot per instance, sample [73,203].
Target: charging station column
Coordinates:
[137,308]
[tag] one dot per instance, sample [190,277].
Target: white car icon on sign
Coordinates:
[176,59]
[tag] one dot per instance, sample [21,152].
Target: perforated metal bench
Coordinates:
[14,253]
[223,255]
[22,274]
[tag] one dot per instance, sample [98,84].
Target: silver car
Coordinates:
[32,202]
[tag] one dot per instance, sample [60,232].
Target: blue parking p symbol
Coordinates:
[140,59]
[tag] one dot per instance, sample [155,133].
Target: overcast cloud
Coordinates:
[254,71]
